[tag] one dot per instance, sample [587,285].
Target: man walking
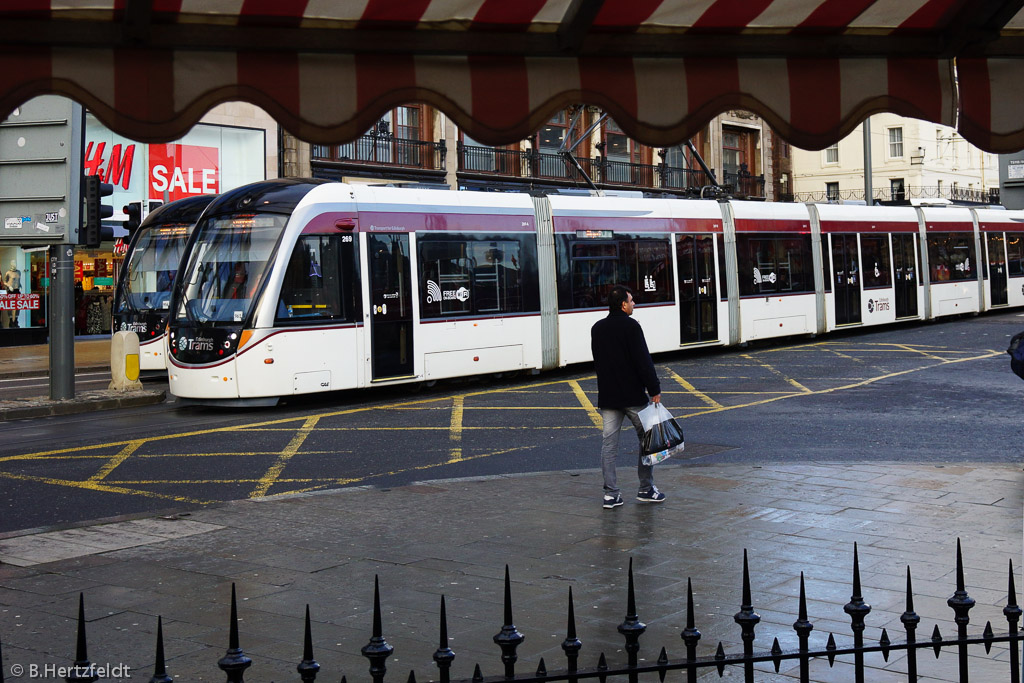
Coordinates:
[625,377]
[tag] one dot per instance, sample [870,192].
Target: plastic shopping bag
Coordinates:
[663,437]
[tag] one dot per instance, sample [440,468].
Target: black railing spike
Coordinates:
[570,626]
[662,661]
[1011,592]
[884,643]
[508,638]
[959,567]
[690,622]
[987,634]
[803,629]
[160,662]
[856,573]
[910,593]
[377,650]
[477,675]
[602,665]
[308,667]
[83,670]
[234,662]
[443,655]
[630,594]
[748,602]
[412,676]
[720,659]
[802,610]
[378,629]
[542,670]
[508,597]
[1,662]
[747,618]
[344,679]
[830,646]
[936,641]
[961,604]
[776,651]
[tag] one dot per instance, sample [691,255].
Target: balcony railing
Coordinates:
[385,149]
[605,173]
[958,195]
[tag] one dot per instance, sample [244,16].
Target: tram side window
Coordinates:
[774,265]
[321,282]
[469,276]
[1015,253]
[643,265]
[951,256]
[874,251]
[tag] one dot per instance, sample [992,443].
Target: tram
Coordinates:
[296,286]
[143,294]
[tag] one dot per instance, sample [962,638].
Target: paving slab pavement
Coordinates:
[455,537]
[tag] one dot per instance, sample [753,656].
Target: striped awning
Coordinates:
[328,69]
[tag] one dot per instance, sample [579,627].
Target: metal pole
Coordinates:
[62,322]
[867,161]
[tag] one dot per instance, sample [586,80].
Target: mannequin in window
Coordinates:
[12,279]
[12,283]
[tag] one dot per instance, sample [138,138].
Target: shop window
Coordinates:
[897,190]
[467,275]
[951,256]
[321,283]
[832,192]
[874,250]
[774,265]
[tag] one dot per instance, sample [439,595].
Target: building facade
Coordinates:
[419,144]
[910,160]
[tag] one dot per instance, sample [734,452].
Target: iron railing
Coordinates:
[604,172]
[385,149]
[235,663]
[964,195]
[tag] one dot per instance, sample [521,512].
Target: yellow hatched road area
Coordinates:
[354,445]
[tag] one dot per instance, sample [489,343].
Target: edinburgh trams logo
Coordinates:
[435,295]
[196,344]
[878,305]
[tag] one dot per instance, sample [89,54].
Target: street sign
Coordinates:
[41,172]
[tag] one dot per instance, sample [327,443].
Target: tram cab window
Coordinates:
[1015,253]
[951,256]
[774,265]
[594,267]
[465,275]
[874,250]
[321,282]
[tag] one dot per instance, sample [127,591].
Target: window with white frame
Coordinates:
[832,154]
[896,143]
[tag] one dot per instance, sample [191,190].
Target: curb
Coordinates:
[87,403]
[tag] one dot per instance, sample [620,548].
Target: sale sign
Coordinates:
[177,171]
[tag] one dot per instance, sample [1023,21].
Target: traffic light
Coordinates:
[134,213]
[95,211]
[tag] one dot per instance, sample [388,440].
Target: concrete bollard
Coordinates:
[124,362]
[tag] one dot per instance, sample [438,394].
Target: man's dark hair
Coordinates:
[618,296]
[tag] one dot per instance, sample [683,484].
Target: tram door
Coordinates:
[997,269]
[904,249]
[846,274]
[698,298]
[391,323]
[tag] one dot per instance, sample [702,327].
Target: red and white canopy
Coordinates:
[327,69]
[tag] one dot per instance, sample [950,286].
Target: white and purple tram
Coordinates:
[293,287]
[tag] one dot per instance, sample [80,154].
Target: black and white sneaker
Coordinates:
[612,501]
[652,496]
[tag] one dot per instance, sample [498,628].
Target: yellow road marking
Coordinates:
[581,396]
[272,474]
[112,464]
[692,389]
[769,368]
[923,353]
[455,429]
[106,488]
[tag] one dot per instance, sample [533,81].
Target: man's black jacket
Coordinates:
[623,363]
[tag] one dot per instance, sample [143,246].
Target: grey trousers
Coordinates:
[613,419]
